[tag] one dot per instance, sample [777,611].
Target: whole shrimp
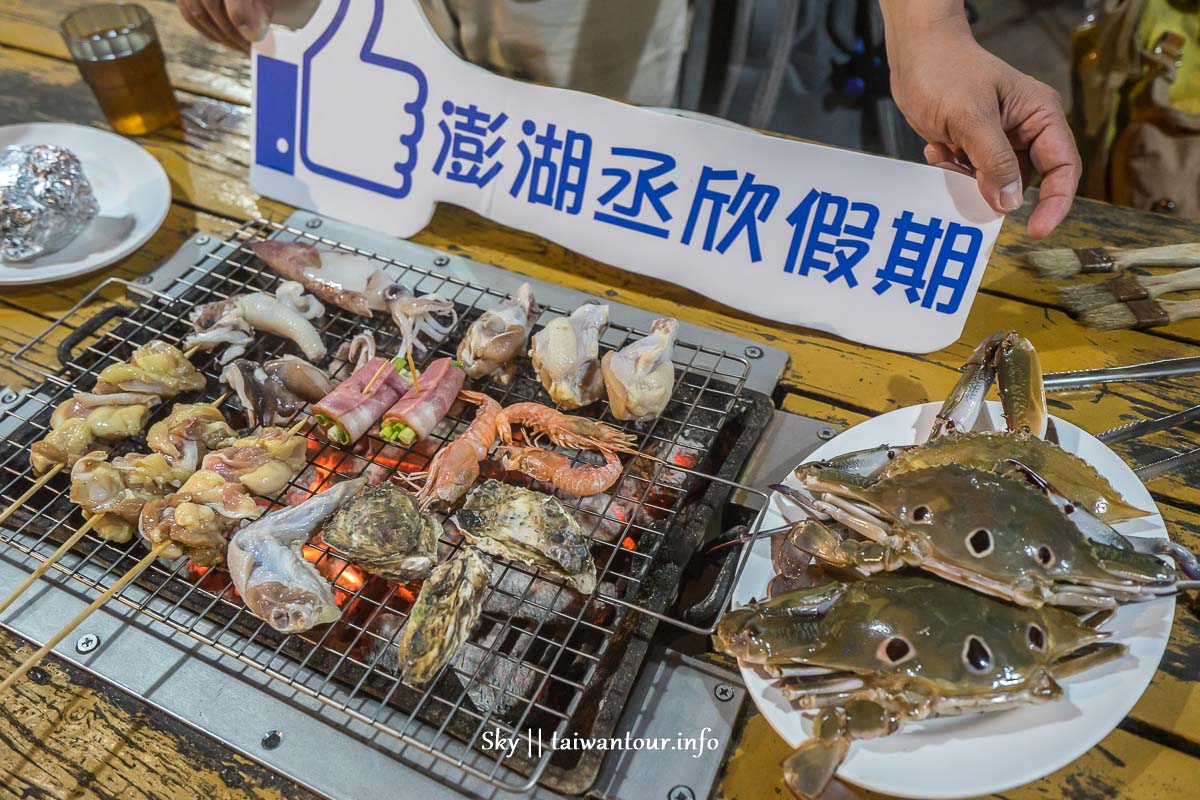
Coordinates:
[565,430]
[555,468]
[455,468]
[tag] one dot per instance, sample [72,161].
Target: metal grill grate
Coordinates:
[539,647]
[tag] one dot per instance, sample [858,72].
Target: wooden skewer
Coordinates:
[413,369]
[366,389]
[95,604]
[38,484]
[71,541]
[292,431]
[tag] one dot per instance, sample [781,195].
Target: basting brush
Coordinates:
[1092,260]
[1124,288]
[1140,314]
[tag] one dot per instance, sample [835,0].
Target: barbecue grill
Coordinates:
[543,662]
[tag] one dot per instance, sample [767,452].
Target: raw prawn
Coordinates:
[565,430]
[555,469]
[456,466]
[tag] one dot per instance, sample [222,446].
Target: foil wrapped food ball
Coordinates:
[45,200]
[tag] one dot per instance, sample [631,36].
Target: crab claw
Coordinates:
[809,769]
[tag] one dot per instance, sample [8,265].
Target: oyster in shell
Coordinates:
[384,532]
[529,527]
[442,617]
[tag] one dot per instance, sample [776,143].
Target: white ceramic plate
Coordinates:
[981,754]
[130,186]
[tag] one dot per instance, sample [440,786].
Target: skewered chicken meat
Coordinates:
[263,462]
[346,280]
[442,617]
[77,426]
[155,368]
[414,416]
[188,432]
[276,582]
[529,527]
[101,487]
[349,411]
[197,518]
[233,321]
[494,341]
[385,533]
[640,376]
[566,356]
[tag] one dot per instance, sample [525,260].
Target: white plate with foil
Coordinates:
[131,189]
[979,754]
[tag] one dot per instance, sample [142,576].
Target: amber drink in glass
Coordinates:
[116,49]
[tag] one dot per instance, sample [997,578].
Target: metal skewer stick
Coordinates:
[71,541]
[79,618]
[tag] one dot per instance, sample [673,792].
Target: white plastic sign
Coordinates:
[365,115]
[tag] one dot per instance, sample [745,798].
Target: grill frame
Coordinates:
[81,566]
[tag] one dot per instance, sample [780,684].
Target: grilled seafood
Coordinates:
[996,534]
[384,532]
[233,321]
[565,430]
[493,342]
[263,462]
[197,517]
[442,617]
[416,315]
[352,354]
[554,468]
[566,356]
[640,376]
[264,397]
[302,379]
[455,467]
[529,527]
[276,582]
[874,654]
[346,280]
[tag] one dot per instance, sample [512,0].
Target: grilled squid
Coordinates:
[232,322]
[345,280]
[416,315]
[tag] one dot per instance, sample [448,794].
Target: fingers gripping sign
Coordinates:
[389,122]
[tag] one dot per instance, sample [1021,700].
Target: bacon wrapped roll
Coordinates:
[416,414]
[347,413]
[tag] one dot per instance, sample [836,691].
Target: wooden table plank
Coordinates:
[193,62]
[74,736]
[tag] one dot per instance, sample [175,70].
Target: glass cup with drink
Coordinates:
[117,50]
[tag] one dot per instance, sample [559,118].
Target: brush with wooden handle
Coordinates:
[1140,314]
[1125,288]
[1095,260]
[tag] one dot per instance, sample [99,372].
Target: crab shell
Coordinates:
[994,533]
[875,653]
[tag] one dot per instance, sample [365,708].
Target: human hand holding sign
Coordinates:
[361,128]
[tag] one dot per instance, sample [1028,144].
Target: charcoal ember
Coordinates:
[45,201]
[493,669]
[600,516]
[385,631]
[525,597]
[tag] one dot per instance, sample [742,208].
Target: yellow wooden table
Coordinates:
[75,737]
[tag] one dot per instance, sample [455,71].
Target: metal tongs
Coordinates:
[1150,370]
